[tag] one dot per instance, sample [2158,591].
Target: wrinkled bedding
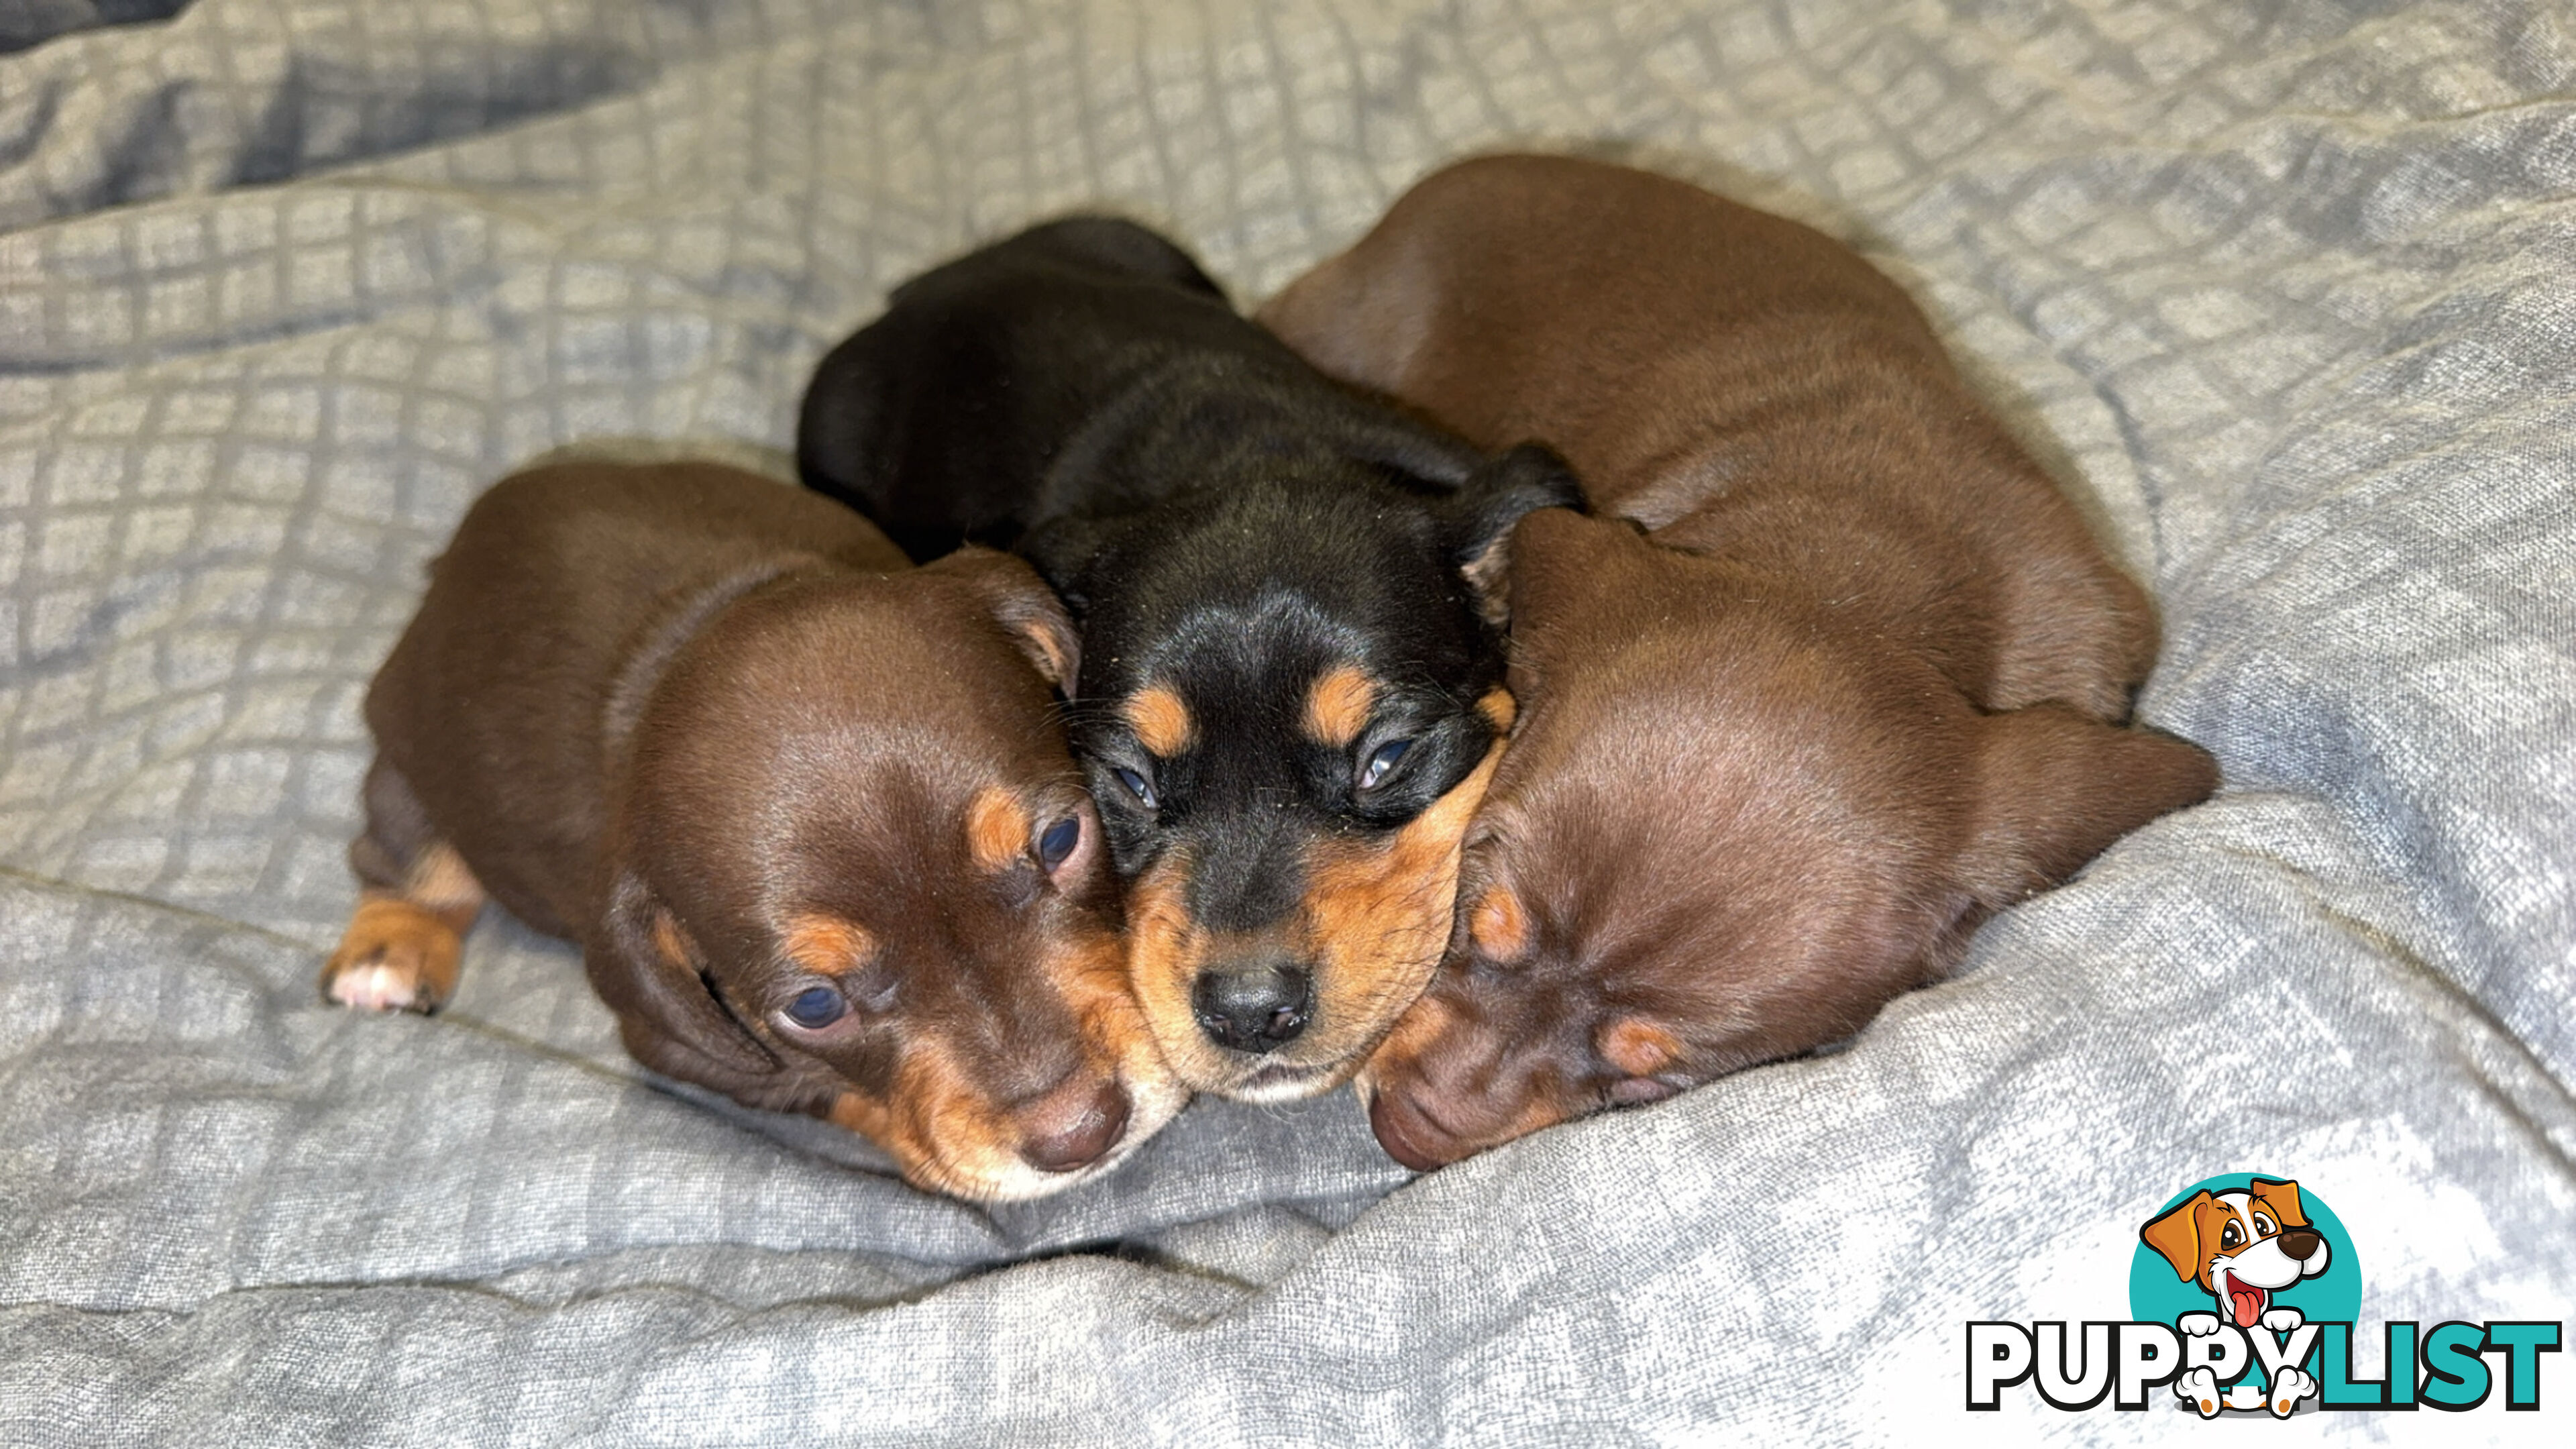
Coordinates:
[2284,292]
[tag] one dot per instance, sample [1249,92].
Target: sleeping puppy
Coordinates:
[1841,674]
[1289,702]
[804,806]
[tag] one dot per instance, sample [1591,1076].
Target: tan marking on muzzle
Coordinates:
[1378,916]
[1165,950]
[1337,707]
[1090,975]
[997,828]
[943,1134]
[1500,709]
[948,1134]
[1160,719]
[1415,1032]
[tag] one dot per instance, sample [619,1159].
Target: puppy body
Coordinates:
[802,804]
[1853,679]
[1288,705]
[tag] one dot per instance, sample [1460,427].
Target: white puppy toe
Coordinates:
[2282,1320]
[2197,1325]
[373,987]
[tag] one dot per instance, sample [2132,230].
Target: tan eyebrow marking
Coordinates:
[1337,708]
[1498,925]
[827,945]
[1499,706]
[997,828]
[1161,721]
[1639,1047]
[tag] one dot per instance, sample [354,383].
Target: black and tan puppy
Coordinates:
[805,807]
[1843,673]
[1289,703]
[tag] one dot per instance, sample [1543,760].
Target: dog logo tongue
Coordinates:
[2245,1301]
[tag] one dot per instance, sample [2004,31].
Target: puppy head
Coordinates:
[854,872]
[2240,1246]
[1725,833]
[1289,712]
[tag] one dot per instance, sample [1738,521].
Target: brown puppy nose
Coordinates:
[2301,1243]
[1072,1126]
[1253,1006]
[1408,1134]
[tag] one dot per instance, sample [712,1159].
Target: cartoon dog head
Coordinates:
[2241,1246]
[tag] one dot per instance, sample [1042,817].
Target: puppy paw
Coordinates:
[395,956]
[2197,1325]
[2288,1387]
[2201,1387]
[2244,1396]
[2282,1320]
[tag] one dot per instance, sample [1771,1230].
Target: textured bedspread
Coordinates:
[2286,292]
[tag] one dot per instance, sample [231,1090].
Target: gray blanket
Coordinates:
[2285,292]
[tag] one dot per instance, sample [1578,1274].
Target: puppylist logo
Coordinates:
[2243,1296]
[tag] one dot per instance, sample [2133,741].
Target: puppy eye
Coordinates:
[1058,842]
[2229,1236]
[1383,761]
[1136,786]
[816,1007]
[2263,1225]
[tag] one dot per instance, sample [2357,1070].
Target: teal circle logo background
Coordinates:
[2156,1295]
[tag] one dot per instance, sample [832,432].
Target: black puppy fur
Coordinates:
[1229,528]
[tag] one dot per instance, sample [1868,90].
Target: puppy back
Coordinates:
[493,703]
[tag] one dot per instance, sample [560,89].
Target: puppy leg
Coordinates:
[406,940]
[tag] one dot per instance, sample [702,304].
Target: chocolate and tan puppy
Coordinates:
[807,809]
[1838,672]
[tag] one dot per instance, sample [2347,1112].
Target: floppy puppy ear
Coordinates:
[2176,1236]
[1554,556]
[2283,1199]
[646,968]
[2055,788]
[1421,454]
[1021,603]
[1062,550]
[1489,503]
[839,426]
[1116,244]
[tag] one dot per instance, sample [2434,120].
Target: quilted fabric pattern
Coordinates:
[2281,291]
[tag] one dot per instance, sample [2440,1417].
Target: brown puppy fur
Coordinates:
[1860,681]
[807,809]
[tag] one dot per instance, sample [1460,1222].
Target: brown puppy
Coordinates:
[1860,682]
[807,809]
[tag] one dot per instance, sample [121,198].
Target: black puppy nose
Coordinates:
[1254,1007]
[2301,1243]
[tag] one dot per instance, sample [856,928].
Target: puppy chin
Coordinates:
[1283,1083]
